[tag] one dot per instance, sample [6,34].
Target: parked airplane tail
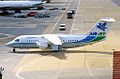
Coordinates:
[101,29]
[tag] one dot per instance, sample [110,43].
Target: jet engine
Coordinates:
[42,44]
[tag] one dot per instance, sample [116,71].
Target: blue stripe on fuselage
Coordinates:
[88,38]
[24,45]
[82,42]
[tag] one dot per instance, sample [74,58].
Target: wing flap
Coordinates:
[53,39]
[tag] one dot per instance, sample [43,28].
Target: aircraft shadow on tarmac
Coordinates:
[61,53]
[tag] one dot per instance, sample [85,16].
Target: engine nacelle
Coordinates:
[42,44]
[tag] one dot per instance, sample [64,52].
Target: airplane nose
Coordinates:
[9,44]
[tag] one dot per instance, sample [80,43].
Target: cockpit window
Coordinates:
[17,40]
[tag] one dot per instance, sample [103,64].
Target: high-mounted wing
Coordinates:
[53,39]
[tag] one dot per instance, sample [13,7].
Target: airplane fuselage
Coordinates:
[54,41]
[29,41]
[8,5]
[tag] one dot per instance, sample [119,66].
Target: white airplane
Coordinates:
[57,41]
[19,5]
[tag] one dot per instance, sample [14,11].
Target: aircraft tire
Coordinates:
[13,49]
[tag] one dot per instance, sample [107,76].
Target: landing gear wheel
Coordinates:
[40,8]
[4,12]
[13,49]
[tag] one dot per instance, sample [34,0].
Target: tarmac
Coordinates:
[88,62]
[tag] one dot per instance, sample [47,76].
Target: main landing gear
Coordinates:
[14,50]
[18,11]
[4,12]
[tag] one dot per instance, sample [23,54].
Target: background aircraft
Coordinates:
[57,41]
[19,5]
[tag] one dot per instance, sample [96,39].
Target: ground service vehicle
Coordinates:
[20,15]
[55,8]
[38,16]
[44,15]
[69,15]
[32,13]
[63,8]
[62,27]
[73,11]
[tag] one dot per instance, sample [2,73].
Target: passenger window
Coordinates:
[17,40]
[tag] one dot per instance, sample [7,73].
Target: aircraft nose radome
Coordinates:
[9,44]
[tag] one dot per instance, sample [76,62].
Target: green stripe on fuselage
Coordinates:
[98,38]
[74,44]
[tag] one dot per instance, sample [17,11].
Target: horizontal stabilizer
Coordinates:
[108,19]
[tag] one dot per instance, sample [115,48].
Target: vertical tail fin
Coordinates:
[101,28]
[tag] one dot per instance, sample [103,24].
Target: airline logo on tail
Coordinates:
[101,26]
[100,33]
